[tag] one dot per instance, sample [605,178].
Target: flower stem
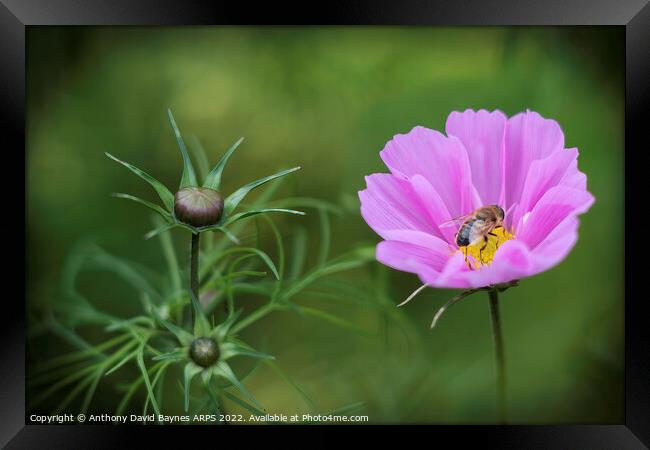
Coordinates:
[194,268]
[498,351]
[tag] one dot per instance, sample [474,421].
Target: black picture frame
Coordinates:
[633,15]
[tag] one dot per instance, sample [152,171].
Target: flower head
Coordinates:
[200,207]
[438,184]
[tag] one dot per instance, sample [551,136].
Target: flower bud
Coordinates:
[204,351]
[198,206]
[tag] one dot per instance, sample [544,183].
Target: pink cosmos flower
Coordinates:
[518,163]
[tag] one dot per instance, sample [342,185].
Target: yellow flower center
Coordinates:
[480,254]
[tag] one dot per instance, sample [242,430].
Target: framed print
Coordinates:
[370,217]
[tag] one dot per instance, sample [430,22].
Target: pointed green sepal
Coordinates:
[236,197]
[165,214]
[165,195]
[161,229]
[243,215]
[221,331]
[230,349]
[145,375]
[223,370]
[175,355]
[213,180]
[183,336]
[201,324]
[189,177]
[189,372]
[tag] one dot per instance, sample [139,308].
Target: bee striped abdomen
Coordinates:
[462,237]
[469,232]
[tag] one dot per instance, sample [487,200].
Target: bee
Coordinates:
[477,226]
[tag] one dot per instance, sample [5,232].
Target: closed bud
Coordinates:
[198,206]
[204,351]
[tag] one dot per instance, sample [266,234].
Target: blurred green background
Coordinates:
[328,99]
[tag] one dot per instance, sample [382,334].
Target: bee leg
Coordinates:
[480,251]
[466,261]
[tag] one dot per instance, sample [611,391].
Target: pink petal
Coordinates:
[441,160]
[553,208]
[453,274]
[435,207]
[574,178]
[528,137]
[482,135]
[543,174]
[390,203]
[511,262]
[409,258]
[557,245]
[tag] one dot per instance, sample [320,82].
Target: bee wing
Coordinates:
[455,221]
[488,226]
[480,230]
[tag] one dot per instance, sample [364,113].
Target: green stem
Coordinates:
[194,268]
[498,351]
[253,317]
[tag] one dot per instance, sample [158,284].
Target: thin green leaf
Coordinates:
[220,331]
[165,214]
[229,349]
[133,388]
[175,355]
[298,254]
[243,215]
[79,355]
[226,372]
[159,230]
[91,392]
[261,200]
[213,180]
[208,390]
[306,202]
[243,404]
[231,237]
[60,384]
[331,318]
[236,197]
[201,324]
[73,394]
[450,303]
[184,337]
[189,372]
[145,375]
[325,235]
[170,257]
[189,177]
[347,409]
[287,379]
[64,332]
[199,156]
[154,382]
[123,361]
[353,260]
[127,270]
[264,257]
[280,249]
[165,195]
